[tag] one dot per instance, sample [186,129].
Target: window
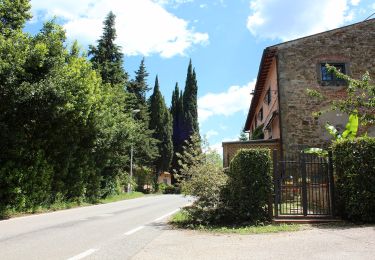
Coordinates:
[267,98]
[260,115]
[329,78]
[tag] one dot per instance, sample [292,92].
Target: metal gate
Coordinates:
[303,185]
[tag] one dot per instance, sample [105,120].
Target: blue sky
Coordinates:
[224,38]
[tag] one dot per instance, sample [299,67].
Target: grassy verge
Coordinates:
[182,220]
[68,205]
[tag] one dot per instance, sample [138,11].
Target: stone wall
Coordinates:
[231,148]
[298,69]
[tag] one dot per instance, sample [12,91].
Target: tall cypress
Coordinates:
[177,112]
[107,57]
[161,123]
[190,104]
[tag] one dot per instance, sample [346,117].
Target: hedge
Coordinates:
[249,185]
[354,162]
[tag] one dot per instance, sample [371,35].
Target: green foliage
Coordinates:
[177,112]
[145,145]
[249,185]
[65,136]
[202,177]
[183,219]
[13,15]
[166,188]
[145,178]
[106,57]
[189,99]
[161,124]
[258,133]
[355,178]
[184,113]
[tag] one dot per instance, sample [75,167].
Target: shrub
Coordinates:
[249,185]
[166,188]
[201,175]
[355,178]
[206,184]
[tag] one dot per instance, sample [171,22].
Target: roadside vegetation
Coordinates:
[71,120]
[184,220]
[238,196]
[61,205]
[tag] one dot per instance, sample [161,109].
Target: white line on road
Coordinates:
[133,230]
[84,254]
[166,215]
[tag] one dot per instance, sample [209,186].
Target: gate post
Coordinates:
[275,183]
[304,188]
[331,184]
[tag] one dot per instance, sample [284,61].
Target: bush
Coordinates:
[355,178]
[206,184]
[166,188]
[249,185]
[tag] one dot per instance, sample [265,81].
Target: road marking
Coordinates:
[84,254]
[133,230]
[166,215]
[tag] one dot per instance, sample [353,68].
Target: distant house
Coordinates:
[280,105]
[165,177]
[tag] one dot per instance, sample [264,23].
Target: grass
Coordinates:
[61,205]
[182,220]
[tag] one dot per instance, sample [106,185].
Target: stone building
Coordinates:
[280,104]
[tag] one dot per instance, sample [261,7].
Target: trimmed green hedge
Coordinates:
[249,185]
[354,162]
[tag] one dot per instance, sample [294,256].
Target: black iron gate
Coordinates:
[303,185]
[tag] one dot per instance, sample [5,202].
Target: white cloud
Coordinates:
[235,99]
[355,2]
[174,3]
[290,19]
[211,133]
[143,26]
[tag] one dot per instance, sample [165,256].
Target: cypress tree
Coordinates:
[177,112]
[190,104]
[161,123]
[106,57]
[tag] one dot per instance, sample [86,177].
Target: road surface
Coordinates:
[109,231]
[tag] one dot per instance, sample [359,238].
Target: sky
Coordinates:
[223,38]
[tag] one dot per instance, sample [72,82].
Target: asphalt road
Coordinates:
[109,231]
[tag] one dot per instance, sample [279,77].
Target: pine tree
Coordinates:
[13,15]
[161,123]
[139,85]
[146,150]
[190,104]
[138,88]
[106,57]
